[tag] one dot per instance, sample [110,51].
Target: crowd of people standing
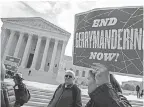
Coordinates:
[103,90]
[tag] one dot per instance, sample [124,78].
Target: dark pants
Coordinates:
[138,94]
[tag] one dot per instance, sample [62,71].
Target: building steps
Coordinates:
[41,98]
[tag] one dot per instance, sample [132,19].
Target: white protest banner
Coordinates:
[11,63]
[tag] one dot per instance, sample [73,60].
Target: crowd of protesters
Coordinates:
[103,90]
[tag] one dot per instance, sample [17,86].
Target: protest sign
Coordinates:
[11,63]
[10,67]
[112,36]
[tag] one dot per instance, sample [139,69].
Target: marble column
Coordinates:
[8,44]
[45,54]
[53,56]
[36,53]
[26,51]
[61,72]
[3,31]
[63,51]
[3,41]
[18,45]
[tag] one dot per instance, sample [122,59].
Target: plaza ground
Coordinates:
[51,87]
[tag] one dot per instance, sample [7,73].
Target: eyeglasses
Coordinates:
[69,76]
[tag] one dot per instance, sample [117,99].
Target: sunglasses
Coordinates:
[68,76]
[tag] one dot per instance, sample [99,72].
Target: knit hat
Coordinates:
[72,72]
[18,76]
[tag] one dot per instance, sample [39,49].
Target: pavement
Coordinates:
[51,87]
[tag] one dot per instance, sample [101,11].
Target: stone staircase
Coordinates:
[41,98]
[38,76]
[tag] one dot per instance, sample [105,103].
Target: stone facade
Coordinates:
[38,43]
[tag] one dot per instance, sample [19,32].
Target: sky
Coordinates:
[61,13]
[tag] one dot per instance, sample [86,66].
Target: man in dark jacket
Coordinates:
[67,94]
[100,90]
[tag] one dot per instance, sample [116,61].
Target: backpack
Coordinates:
[22,94]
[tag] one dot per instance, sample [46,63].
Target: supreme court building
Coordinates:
[38,43]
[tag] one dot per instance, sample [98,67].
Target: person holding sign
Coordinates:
[101,90]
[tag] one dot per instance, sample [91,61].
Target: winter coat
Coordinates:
[106,96]
[64,97]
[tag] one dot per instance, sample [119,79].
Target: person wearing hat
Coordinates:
[17,78]
[18,87]
[101,89]
[21,92]
[67,94]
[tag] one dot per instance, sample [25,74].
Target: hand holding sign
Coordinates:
[97,77]
[101,73]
